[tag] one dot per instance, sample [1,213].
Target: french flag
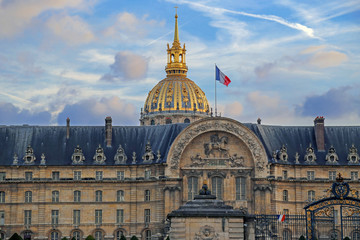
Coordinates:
[221,77]
[281,217]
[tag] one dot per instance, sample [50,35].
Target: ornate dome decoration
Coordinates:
[175,98]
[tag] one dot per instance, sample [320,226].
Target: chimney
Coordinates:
[67,128]
[108,131]
[319,126]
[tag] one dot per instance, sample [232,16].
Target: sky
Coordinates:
[289,61]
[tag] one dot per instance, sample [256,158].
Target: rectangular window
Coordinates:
[332,175]
[98,217]
[119,215]
[147,195]
[2,197]
[147,174]
[240,185]
[192,187]
[55,196]
[28,176]
[120,196]
[77,175]
[285,174]
[56,176]
[99,175]
[27,217]
[311,195]
[77,196]
[2,218]
[354,176]
[2,176]
[54,217]
[28,196]
[76,217]
[310,175]
[98,196]
[120,175]
[217,187]
[147,215]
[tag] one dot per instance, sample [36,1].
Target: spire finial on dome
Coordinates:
[176,32]
[176,62]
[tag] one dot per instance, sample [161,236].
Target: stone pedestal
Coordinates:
[206,218]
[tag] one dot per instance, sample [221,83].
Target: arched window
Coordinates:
[2,235]
[147,234]
[356,235]
[217,187]
[192,187]
[240,184]
[147,196]
[2,197]
[168,121]
[55,196]
[98,196]
[119,234]
[120,196]
[54,235]
[76,235]
[28,196]
[152,122]
[285,196]
[311,195]
[98,235]
[186,120]
[286,234]
[77,196]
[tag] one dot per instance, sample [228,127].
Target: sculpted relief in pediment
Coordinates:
[217,149]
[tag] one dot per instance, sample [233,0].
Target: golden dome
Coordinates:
[176,97]
[176,94]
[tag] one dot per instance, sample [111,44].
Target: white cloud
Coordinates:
[76,75]
[71,29]
[16,15]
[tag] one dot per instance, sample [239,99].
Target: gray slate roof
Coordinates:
[51,140]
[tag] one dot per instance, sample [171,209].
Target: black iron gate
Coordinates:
[334,217]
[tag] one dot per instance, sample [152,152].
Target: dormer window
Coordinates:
[78,156]
[148,155]
[310,156]
[331,157]
[353,156]
[283,156]
[120,156]
[99,157]
[29,157]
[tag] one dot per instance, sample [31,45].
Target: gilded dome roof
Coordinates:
[176,94]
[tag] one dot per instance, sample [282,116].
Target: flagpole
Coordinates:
[215,93]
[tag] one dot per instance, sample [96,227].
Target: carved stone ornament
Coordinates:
[158,155]
[77,157]
[353,156]
[236,161]
[120,156]
[310,156]
[222,125]
[15,160]
[283,156]
[192,172]
[206,233]
[216,173]
[43,160]
[148,156]
[99,157]
[29,157]
[134,158]
[217,147]
[331,156]
[297,156]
